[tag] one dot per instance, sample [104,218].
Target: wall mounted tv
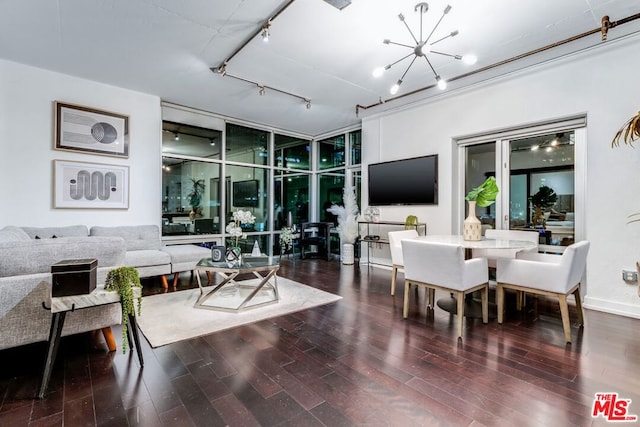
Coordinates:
[245,194]
[404,182]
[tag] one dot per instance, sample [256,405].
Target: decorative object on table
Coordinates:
[90,185]
[483,195]
[410,222]
[234,229]
[88,130]
[347,222]
[194,197]
[217,253]
[123,280]
[73,277]
[256,249]
[286,240]
[541,201]
[629,132]
[372,214]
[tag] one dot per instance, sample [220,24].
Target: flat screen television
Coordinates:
[245,194]
[404,182]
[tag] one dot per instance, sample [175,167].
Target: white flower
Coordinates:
[243,217]
[234,228]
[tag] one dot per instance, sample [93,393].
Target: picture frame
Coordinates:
[83,129]
[80,185]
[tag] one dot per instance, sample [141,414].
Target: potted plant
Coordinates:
[123,280]
[542,200]
[194,197]
[629,132]
[483,195]
[347,222]
[234,229]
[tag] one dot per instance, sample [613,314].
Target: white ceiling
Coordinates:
[167,47]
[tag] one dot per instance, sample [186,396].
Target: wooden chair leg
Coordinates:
[485,304]
[163,279]
[564,311]
[432,298]
[519,300]
[394,275]
[460,302]
[208,277]
[576,294]
[107,333]
[405,305]
[500,302]
[176,277]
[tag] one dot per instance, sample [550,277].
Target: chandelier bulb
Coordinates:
[469,59]
[378,72]
[442,84]
[395,88]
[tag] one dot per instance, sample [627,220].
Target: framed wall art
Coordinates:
[90,185]
[85,129]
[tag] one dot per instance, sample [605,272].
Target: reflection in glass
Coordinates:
[247,189]
[331,153]
[187,140]
[330,187]
[178,176]
[247,145]
[292,152]
[355,138]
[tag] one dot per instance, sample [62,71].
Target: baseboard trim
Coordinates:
[620,309]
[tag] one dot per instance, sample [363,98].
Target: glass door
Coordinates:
[536,177]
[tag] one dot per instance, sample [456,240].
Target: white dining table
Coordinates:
[473,307]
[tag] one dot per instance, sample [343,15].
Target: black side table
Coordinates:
[60,306]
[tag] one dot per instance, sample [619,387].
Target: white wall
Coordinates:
[601,82]
[27,154]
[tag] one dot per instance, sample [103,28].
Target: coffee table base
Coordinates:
[236,297]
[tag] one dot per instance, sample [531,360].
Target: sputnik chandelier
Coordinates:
[422,48]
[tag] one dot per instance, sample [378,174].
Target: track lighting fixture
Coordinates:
[421,48]
[308,103]
[176,136]
[265,31]
[212,142]
[261,90]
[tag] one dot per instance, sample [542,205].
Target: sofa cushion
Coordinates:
[37,255]
[185,257]
[146,258]
[52,232]
[13,234]
[137,237]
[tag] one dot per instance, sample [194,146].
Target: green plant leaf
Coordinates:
[485,194]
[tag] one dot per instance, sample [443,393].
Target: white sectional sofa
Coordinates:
[26,256]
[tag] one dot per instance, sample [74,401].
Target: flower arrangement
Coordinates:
[123,280]
[234,228]
[286,239]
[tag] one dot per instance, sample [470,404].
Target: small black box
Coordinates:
[73,277]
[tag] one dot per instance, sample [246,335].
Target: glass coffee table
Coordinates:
[233,296]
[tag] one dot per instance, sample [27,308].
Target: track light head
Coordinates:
[265,31]
[308,103]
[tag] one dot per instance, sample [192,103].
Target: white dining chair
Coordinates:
[396,252]
[443,266]
[546,274]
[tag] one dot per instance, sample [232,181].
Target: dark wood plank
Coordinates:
[353,362]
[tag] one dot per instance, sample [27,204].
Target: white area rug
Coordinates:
[171,317]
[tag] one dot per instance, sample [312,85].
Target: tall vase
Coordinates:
[348,255]
[472,229]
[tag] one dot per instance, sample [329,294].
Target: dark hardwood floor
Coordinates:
[354,362]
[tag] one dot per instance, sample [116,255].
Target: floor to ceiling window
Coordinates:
[208,174]
[527,163]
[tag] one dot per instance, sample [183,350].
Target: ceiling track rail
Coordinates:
[222,68]
[603,29]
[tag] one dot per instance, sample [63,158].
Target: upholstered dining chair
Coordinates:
[396,252]
[545,274]
[443,266]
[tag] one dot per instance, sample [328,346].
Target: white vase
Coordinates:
[348,256]
[472,228]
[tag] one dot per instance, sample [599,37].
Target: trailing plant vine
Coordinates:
[123,280]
